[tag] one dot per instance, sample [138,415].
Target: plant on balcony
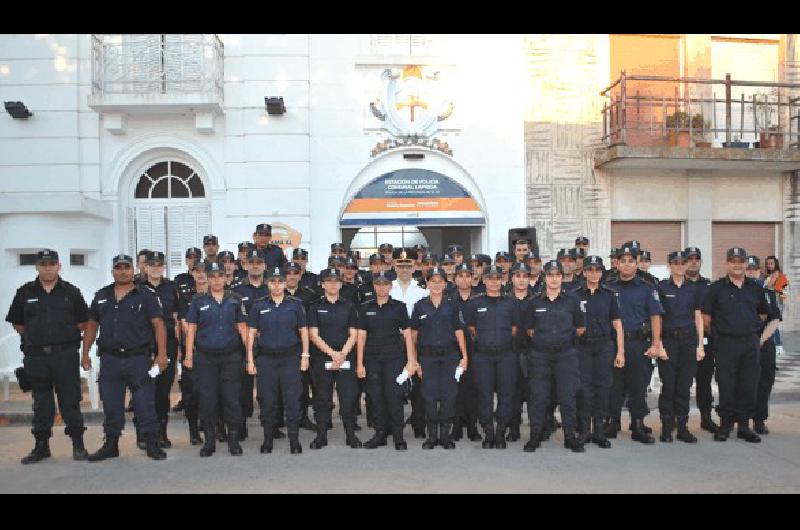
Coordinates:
[769,136]
[678,129]
[700,130]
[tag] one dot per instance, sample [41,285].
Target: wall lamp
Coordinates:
[18,110]
[275,106]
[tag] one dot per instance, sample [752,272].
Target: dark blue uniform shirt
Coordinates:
[332,320]
[366,292]
[216,321]
[436,326]
[167,293]
[310,280]
[554,321]
[250,293]
[127,323]
[278,325]
[600,307]
[492,317]
[735,310]
[679,303]
[521,340]
[638,301]
[383,323]
[274,257]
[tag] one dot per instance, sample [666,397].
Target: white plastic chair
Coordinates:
[91,378]
[10,360]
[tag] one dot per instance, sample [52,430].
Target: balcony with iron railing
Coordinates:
[694,123]
[146,73]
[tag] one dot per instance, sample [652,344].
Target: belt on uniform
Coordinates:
[743,336]
[125,352]
[493,349]
[437,352]
[219,351]
[641,334]
[285,352]
[552,348]
[679,332]
[51,348]
[396,347]
[583,339]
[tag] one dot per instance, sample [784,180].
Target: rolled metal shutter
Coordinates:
[758,239]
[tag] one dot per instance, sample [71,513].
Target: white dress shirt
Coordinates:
[413,294]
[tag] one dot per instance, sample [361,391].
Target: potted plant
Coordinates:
[699,126]
[736,144]
[676,136]
[769,136]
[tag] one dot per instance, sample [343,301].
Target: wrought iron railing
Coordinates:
[157,64]
[653,110]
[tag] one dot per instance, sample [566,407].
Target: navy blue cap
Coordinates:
[436,271]
[385,247]
[520,267]
[245,245]
[210,238]
[452,249]
[633,244]
[645,255]
[447,259]
[264,228]
[474,257]
[629,250]
[419,247]
[193,252]
[753,262]
[324,274]
[533,254]
[677,255]
[46,255]
[225,254]
[254,253]
[579,252]
[155,255]
[337,247]
[381,278]
[567,253]
[276,272]
[300,253]
[292,266]
[122,258]
[613,253]
[427,257]
[350,261]
[553,265]
[464,267]
[581,240]
[693,251]
[593,261]
[375,258]
[493,271]
[214,267]
[502,255]
[736,252]
[486,259]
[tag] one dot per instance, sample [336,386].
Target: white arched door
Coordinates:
[169,212]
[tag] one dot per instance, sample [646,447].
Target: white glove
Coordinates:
[403,377]
[459,372]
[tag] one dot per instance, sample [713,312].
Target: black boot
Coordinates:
[599,434]
[573,442]
[79,452]
[472,432]
[513,431]
[321,440]
[445,439]
[584,429]
[534,442]
[210,442]
[645,428]
[488,437]
[458,429]
[639,434]
[163,441]
[41,450]
[153,450]
[745,433]
[294,443]
[222,435]
[760,427]
[233,442]
[433,436]
[306,423]
[397,437]
[724,429]
[110,449]
[194,432]
[683,431]
[500,437]
[667,425]
[706,423]
[277,433]
[419,430]
[243,433]
[350,437]
[378,440]
[140,441]
[266,446]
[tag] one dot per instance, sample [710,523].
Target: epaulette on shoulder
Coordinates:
[233,294]
[292,297]
[365,302]
[477,295]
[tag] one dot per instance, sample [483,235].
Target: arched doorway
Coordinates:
[169,210]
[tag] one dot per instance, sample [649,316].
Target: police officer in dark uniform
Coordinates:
[503,260]
[457,253]
[233,276]
[522,293]
[767,355]
[419,252]
[568,259]
[210,247]
[128,315]
[386,250]
[534,263]
[332,324]
[349,272]
[734,305]
[50,314]
[141,265]
[216,324]
[375,266]
[338,251]
[553,320]
[642,265]
[307,279]
[188,392]
[604,335]
[167,294]
[682,335]
[705,368]
[640,311]
[277,351]
[476,266]
[306,295]
[493,322]
[645,260]
[241,261]
[611,272]
[384,349]
[273,254]
[438,332]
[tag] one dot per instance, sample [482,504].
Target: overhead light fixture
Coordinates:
[275,106]
[18,110]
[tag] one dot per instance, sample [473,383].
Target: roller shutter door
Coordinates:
[758,239]
[660,238]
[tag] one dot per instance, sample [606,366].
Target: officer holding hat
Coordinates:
[438,332]
[332,326]
[50,313]
[277,350]
[216,324]
[273,254]
[127,315]
[640,312]
[682,334]
[735,305]
[493,322]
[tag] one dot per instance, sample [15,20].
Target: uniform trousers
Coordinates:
[677,372]
[56,372]
[118,373]
[737,375]
[542,366]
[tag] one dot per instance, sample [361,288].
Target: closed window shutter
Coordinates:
[150,229]
[758,239]
[660,238]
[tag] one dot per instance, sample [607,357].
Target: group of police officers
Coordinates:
[445,333]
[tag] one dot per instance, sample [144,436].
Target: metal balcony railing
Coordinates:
[652,110]
[151,64]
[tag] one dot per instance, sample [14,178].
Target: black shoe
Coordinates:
[294,444]
[210,443]
[433,436]
[179,406]
[110,449]
[599,434]
[350,437]
[321,440]
[233,442]
[707,424]
[534,442]
[140,441]
[153,450]
[472,432]
[277,433]
[573,443]
[445,439]
[243,432]
[194,433]
[500,437]
[266,446]
[489,438]
[222,434]
[513,433]
[458,430]
[667,424]
[745,433]
[760,427]
[683,431]
[41,450]
[640,435]
[306,423]
[378,440]
[79,452]
[419,431]
[645,428]
[399,442]
[724,430]
[163,441]
[610,428]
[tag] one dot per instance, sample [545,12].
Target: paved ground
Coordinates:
[735,466]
